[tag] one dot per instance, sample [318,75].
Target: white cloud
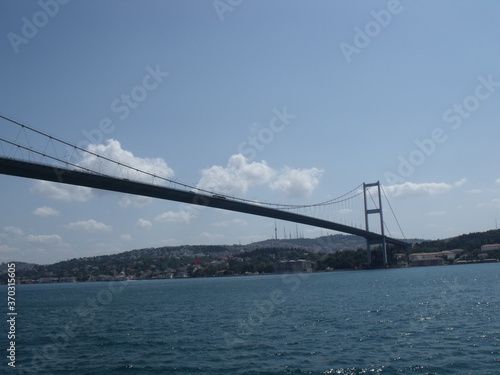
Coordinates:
[114,151]
[45,238]
[236,177]
[126,237]
[234,222]
[90,226]
[176,216]
[239,175]
[7,249]
[13,230]
[410,189]
[497,181]
[297,183]
[495,203]
[134,201]
[212,236]
[45,211]
[436,213]
[144,223]
[475,191]
[62,192]
[460,182]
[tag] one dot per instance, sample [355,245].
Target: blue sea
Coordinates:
[430,320]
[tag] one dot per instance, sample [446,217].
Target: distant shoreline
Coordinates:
[32,282]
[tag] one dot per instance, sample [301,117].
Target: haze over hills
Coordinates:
[337,251]
[179,260]
[330,243]
[327,244]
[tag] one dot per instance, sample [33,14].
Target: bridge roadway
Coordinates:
[20,168]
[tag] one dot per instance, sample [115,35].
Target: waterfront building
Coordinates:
[293,266]
[490,247]
[427,259]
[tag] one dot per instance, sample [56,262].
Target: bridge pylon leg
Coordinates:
[383,246]
[376,208]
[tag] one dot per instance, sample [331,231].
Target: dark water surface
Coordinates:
[431,320]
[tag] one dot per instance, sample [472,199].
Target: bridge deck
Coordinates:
[20,168]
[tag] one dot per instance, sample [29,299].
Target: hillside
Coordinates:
[180,261]
[329,252]
[331,243]
[468,242]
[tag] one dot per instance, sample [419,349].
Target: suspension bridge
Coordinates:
[31,153]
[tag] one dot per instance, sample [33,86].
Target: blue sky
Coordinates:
[279,101]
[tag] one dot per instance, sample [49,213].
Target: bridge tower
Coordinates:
[376,208]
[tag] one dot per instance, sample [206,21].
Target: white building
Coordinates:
[426,259]
[293,266]
[490,247]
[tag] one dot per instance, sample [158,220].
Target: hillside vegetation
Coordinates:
[333,252]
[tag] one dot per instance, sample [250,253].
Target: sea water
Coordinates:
[429,320]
